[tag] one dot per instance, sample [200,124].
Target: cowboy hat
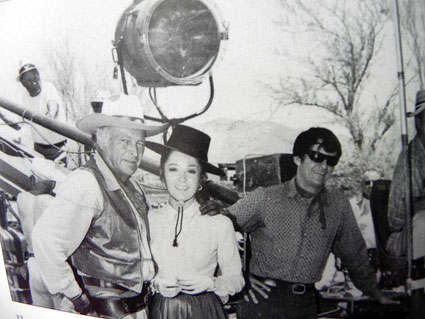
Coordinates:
[189,141]
[120,110]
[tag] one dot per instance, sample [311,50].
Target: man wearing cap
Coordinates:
[43,98]
[294,227]
[396,205]
[98,220]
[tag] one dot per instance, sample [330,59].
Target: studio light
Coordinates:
[170,42]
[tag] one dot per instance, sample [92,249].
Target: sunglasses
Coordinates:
[318,157]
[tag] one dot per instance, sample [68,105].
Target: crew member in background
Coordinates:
[99,217]
[97,102]
[396,205]
[43,98]
[360,204]
[294,227]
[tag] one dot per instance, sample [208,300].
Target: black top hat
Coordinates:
[419,103]
[191,142]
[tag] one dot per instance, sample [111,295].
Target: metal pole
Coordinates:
[405,148]
[121,64]
[64,129]
[148,165]
[54,125]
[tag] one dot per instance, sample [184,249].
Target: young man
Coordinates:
[294,227]
[43,98]
[99,219]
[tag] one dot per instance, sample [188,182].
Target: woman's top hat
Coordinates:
[189,141]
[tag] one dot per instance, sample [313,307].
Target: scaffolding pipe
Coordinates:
[405,142]
[227,195]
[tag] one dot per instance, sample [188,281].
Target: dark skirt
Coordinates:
[206,305]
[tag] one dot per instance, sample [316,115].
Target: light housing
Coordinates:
[170,42]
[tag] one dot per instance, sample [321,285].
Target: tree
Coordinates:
[413,24]
[76,78]
[345,37]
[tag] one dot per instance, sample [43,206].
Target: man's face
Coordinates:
[368,179]
[311,175]
[124,151]
[31,81]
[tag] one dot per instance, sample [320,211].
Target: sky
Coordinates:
[28,26]
[249,59]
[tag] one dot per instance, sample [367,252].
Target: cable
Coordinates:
[176,121]
[177,233]
[54,146]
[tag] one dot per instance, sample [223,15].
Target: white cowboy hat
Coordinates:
[120,110]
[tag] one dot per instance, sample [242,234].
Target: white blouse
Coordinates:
[204,242]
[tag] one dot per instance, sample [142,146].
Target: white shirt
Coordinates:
[204,242]
[38,104]
[363,214]
[65,223]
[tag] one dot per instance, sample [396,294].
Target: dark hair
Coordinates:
[200,194]
[316,135]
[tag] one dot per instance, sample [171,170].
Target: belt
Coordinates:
[295,288]
[101,283]
[117,307]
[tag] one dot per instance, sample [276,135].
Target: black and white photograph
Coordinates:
[212,159]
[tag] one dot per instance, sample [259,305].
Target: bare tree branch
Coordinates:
[347,37]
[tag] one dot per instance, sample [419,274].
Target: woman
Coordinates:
[186,245]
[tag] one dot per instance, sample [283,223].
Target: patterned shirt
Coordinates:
[292,235]
[396,208]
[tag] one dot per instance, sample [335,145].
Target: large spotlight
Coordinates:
[169,42]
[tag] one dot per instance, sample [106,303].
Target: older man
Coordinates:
[295,225]
[98,218]
[396,204]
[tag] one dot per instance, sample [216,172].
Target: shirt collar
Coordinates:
[110,180]
[293,191]
[359,199]
[190,211]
